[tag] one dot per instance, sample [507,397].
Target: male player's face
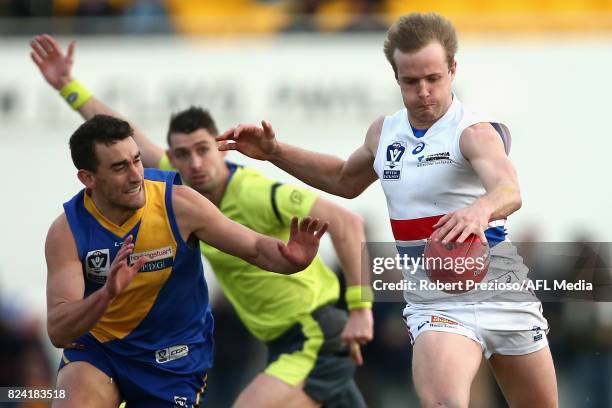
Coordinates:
[119,178]
[425,81]
[197,159]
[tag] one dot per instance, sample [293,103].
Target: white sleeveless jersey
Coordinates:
[427,177]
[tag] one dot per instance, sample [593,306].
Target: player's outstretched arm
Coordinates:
[347,234]
[345,178]
[483,148]
[196,215]
[68,314]
[56,68]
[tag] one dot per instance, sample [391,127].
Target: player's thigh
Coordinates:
[444,365]
[86,386]
[266,391]
[527,380]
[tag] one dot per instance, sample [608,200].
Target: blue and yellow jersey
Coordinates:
[166,304]
[268,303]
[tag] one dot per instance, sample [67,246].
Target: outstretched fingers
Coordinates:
[227,135]
[46,44]
[225,146]
[51,44]
[308,225]
[37,48]
[123,254]
[312,227]
[442,220]
[71,48]
[37,60]
[293,228]
[267,128]
[306,221]
[140,262]
[125,250]
[242,128]
[322,230]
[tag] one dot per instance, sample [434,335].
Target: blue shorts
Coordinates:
[144,384]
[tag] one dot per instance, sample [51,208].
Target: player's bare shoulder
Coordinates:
[478,137]
[186,201]
[59,229]
[60,240]
[373,135]
[192,210]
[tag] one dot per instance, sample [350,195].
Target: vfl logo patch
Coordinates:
[97,265]
[171,353]
[393,163]
[157,259]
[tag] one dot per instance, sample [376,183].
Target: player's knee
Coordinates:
[442,403]
[444,398]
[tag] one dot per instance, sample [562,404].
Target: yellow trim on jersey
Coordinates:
[155,234]
[201,391]
[119,230]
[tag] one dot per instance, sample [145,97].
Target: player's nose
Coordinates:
[196,161]
[423,90]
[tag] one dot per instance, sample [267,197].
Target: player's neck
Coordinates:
[116,214]
[215,195]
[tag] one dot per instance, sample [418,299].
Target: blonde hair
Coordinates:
[414,31]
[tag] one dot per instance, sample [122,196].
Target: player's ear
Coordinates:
[170,157]
[87,178]
[453,69]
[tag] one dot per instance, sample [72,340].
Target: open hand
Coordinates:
[256,142]
[51,61]
[458,225]
[121,274]
[303,241]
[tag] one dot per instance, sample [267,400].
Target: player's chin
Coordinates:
[134,203]
[200,187]
[430,113]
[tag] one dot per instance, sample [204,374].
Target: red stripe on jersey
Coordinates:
[410,230]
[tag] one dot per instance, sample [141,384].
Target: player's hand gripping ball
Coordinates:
[460,264]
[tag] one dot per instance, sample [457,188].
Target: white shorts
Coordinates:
[506,328]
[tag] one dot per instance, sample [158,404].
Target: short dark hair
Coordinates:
[190,120]
[414,31]
[99,129]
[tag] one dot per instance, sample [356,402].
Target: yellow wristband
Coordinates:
[359,297]
[75,94]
